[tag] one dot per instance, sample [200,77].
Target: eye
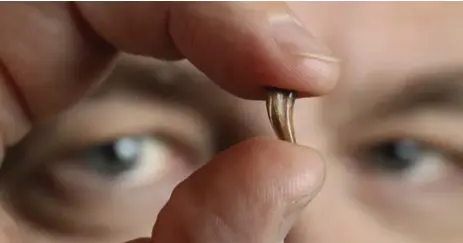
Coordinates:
[115,157]
[395,156]
[407,158]
[123,162]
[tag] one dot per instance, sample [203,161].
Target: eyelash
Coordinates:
[60,190]
[365,153]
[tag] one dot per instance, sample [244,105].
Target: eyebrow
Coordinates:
[181,84]
[441,91]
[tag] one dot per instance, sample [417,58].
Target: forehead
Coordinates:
[376,37]
[385,46]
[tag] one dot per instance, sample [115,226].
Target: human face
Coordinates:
[390,134]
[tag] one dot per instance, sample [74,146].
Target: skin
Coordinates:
[399,79]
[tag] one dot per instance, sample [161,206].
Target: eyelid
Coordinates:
[108,118]
[434,130]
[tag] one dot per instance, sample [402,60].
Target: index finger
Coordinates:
[241,46]
[51,53]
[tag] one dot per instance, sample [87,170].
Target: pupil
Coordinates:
[115,157]
[396,156]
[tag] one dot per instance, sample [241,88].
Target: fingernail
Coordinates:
[293,38]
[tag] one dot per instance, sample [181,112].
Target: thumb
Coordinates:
[251,193]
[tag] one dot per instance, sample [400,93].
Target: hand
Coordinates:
[251,193]
[51,54]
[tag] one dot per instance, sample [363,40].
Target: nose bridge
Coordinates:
[328,219]
[335,215]
[323,220]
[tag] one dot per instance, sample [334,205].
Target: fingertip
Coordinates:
[319,75]
[264,166]
[244,192]
[312,68]
[298,169]
[243,47]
